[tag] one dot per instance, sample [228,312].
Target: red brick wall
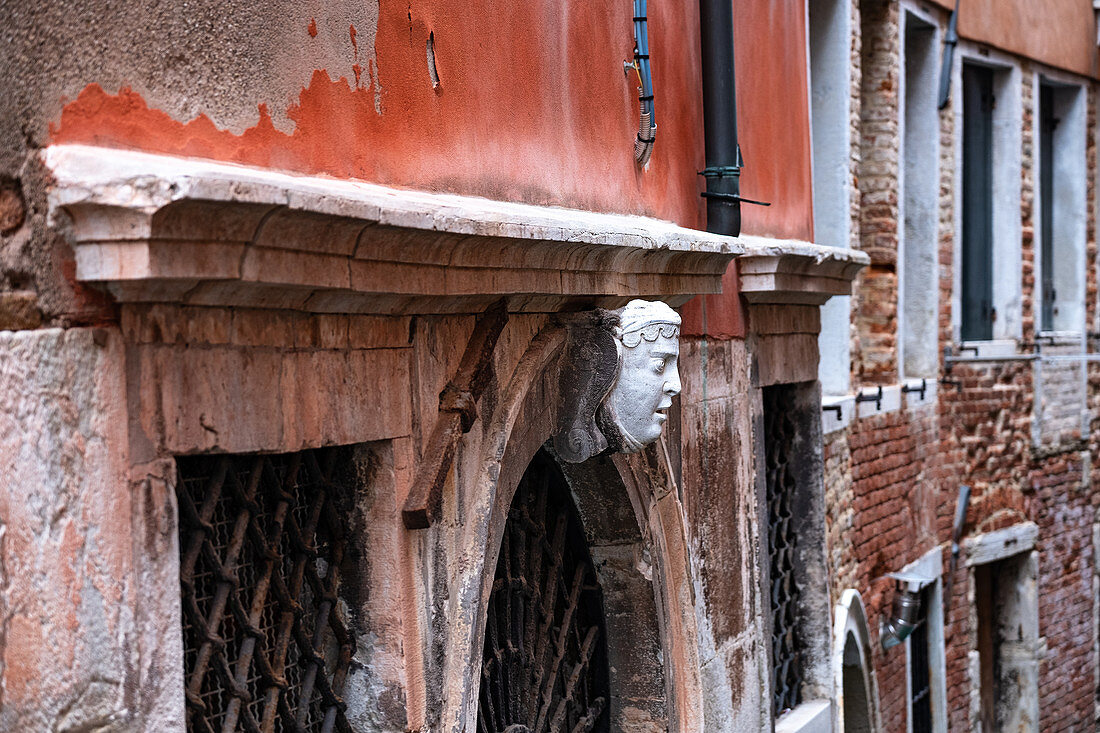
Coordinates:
[892,480]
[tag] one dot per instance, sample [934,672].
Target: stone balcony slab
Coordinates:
[790,272]
[155,228]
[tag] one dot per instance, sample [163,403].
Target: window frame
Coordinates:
[1006,185]
[833,186]
[925,343]
[1069,224]
[930,565]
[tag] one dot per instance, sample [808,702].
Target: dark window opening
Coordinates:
[544,665]
[780,406]
[989,647]
[920,675]
[977,204]
[857,707]
[1005,607]
[1047,123]
[262,541]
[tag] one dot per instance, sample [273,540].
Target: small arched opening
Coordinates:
[544,661]
[852,670]
[857,710]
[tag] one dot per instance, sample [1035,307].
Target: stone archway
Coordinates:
[852,669]
[544,664]
[635,531]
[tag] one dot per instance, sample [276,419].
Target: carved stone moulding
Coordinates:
[796,273]
[156,228]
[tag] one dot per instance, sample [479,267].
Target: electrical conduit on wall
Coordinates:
[647,123]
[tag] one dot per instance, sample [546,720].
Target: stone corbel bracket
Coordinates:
[155,228]
[778,272]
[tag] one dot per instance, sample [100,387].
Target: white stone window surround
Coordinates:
[999,544]
[918,196]
[1007,162]
[829,34]
[1015,541]
[850,622]
[930,565]
[904,396]
[1070,203]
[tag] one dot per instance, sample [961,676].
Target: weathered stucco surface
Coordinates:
[82,602]
[211,57]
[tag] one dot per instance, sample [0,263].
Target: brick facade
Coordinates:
[1012,430]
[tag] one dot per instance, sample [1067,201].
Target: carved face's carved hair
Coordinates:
[640,319]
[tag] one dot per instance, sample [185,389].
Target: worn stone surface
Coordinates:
[721,504]
[157,228]
[89,635]
[19,310]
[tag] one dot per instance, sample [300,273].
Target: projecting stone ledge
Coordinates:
[155,228]
[796,273]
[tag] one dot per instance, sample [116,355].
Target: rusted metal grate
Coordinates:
[544,666]
[779,435]
[261,545]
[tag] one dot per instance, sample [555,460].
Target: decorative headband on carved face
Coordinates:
[649,320]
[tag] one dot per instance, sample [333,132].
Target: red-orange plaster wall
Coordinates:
[533,104]
[774,133]
[1061,33]
[773,117]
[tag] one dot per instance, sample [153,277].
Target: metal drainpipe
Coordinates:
[723,157]
[949,42]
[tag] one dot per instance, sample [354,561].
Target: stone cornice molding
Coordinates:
[790,272]
[156,228]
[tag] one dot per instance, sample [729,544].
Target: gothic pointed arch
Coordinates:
[633,527]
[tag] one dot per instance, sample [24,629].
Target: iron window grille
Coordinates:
[786,649]
[920,678]
[261,547]
[544,666]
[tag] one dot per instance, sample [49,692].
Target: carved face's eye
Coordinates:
[658,365]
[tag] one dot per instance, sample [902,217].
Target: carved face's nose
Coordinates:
[672,385]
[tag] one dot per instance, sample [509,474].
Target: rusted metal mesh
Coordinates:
[779,434]
[544,666]
[261,545]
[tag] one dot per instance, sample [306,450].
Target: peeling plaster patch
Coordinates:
[374,703]
[219,58]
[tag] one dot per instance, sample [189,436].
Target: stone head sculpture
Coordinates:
[618,377]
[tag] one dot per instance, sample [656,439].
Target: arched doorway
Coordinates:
[854,675]
[544,661]
[857,708]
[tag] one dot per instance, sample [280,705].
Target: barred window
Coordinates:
[920,677]
[786,652]
[544,666]
[262,540]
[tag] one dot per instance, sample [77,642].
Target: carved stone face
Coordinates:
[618,377]
[648,380]
[648,345]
